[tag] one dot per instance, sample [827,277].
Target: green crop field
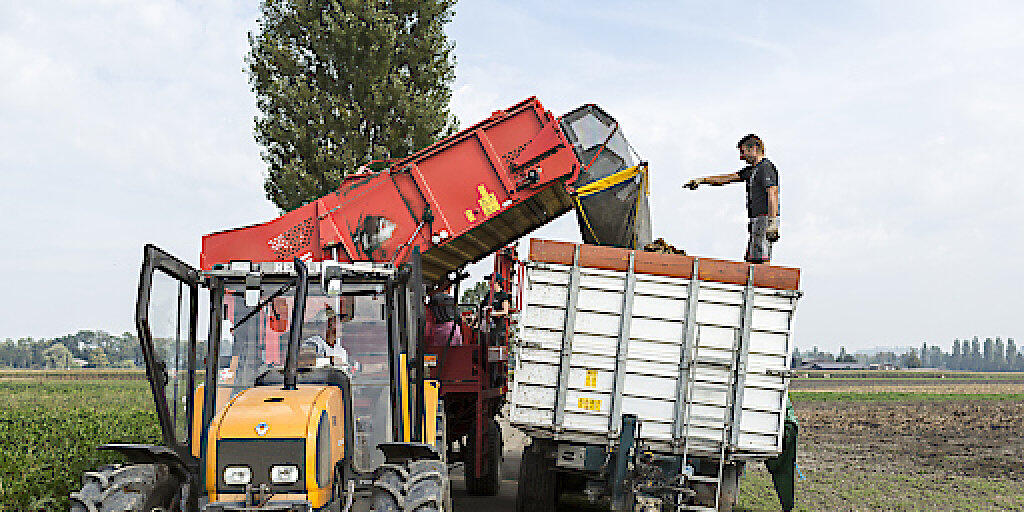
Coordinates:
[948,446]
[73,374]
[49,431]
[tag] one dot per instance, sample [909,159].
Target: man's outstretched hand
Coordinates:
[694,183]
[773,229]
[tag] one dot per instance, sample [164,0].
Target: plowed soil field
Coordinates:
[900,445]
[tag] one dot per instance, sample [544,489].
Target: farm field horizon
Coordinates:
[865,444]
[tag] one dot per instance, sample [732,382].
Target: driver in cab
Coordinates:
[327,346]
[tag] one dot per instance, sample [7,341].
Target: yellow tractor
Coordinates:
[307,393]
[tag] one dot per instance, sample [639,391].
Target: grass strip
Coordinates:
[997,378]
[895,396]
[882,374]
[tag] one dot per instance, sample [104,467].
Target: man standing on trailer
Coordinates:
[762,181]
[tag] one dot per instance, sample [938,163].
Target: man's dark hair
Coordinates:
[751,140]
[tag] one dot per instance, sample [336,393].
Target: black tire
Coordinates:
[416,486]
[127,488]
[488,482]
[538,482]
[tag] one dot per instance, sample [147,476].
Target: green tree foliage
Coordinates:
[910,360]
[999,361]
[968,354]
[845,357]
[82,345]
[57,356]
[342,82]
[474,294]
[98,358]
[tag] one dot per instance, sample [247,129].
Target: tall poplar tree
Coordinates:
[339,83]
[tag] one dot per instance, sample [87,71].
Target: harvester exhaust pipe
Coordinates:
[291,362]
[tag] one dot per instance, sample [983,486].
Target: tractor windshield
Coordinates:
[349,331]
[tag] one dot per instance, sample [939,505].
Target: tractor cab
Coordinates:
[285,385]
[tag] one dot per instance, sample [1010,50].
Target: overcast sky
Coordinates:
[894,127]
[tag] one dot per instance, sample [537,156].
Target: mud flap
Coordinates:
[783,467]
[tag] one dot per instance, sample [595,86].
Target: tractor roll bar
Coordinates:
[291,361]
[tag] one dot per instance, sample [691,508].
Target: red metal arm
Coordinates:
[468,195]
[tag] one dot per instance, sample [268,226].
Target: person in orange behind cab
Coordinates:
[762,181]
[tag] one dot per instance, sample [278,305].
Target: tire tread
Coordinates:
[415,486]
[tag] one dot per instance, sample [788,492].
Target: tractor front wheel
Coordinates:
[128,488]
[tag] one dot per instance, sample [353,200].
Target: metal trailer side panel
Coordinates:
[625,352]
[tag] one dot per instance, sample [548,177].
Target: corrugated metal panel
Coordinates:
[733,382]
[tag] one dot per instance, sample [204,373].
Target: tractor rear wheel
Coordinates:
[538,482]
[127,488]
[415,486]
[488,482]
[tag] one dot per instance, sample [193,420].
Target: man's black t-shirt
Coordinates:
[498,322]
[499,299]
[759,177]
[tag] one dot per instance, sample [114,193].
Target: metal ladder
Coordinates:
[694,364]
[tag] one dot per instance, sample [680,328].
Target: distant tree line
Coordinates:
[991,355]
[88,349]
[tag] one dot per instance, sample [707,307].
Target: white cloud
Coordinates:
[893,140]
[123,123]
[894,127]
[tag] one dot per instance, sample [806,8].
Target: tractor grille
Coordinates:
[260,455]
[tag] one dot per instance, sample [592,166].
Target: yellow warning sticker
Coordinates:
[591,380]
[470,216]
[589,404]
[488,201]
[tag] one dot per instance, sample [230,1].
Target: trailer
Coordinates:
[647,380]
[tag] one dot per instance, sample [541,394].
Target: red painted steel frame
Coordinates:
[467,370]
[464,181]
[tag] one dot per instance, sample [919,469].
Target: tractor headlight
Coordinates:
[287,474]
[237,475]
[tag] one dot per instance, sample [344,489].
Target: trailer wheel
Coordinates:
[416,486]
[538,482]
[127,488]
[488,482]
